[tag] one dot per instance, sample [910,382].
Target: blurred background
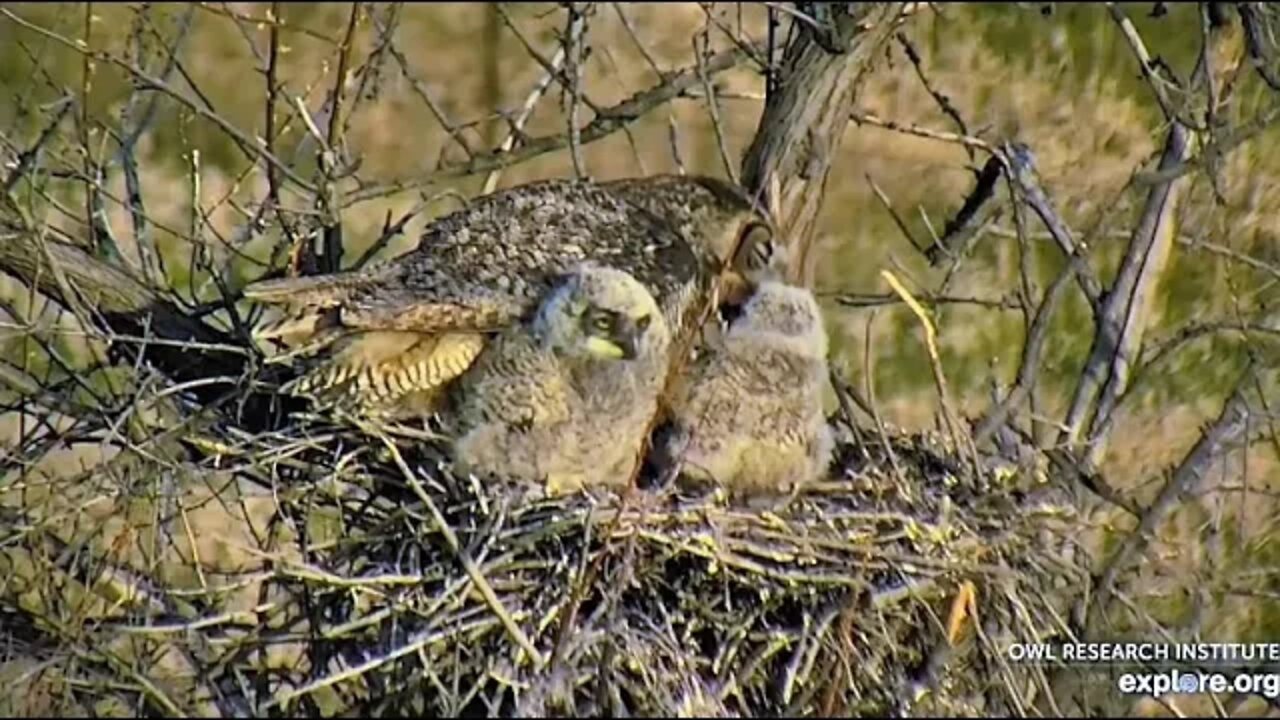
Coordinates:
[1058,77]
[433,82]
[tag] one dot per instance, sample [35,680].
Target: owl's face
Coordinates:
[782,315]
[603,314]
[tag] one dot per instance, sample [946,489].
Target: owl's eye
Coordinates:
[601,322]
[643,323]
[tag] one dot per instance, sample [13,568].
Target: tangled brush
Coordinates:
[325,569]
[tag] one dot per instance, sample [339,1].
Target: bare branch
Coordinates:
[526,111]
[421,90]
[971,216]
[272,20]
[803,122]
[30,157]
[331,154]
[1029,366]
[713,108]
[1159,85]
[863,300]
[607,121]
[247,145]
[559,74]
[1119,324]
[1228,429]
[631,33]
[1021,165]
[944,102]
[1262,50]
[574,51]
[966,141]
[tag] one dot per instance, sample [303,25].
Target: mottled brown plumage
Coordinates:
[485,267]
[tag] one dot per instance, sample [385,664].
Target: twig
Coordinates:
[897,219]
[420,89]
[526,111]
[1021,167]
[1227,429]
[1029,366]
[1221,144]
[935,363]
[869,383]
[713,108]
[1222,250]
[673,138]
[966,141]
[862,300]
[1119,324]
[631,33]
[134,126]
[1158,352]
[970,218]
[944,102]
[1261,53]
[248,146]
[269,139]
[389,230]
[607,121]
[845,393]
[559,74]
[1139,48]
[477,578]
[574,54]
[272,20]
[29,157]
[330,154]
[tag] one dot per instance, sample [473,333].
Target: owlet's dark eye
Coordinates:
[601,323]
[643,323]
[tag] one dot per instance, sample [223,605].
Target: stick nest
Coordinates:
[321,569]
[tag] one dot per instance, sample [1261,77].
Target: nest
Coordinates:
[326,570]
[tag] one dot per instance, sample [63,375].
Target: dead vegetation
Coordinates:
[176,538]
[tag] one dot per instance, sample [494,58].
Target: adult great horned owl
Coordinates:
[388,338]
[748,414]
[565,398]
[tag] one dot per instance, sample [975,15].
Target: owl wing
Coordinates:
[381,341]
[476,271]
[374,370]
